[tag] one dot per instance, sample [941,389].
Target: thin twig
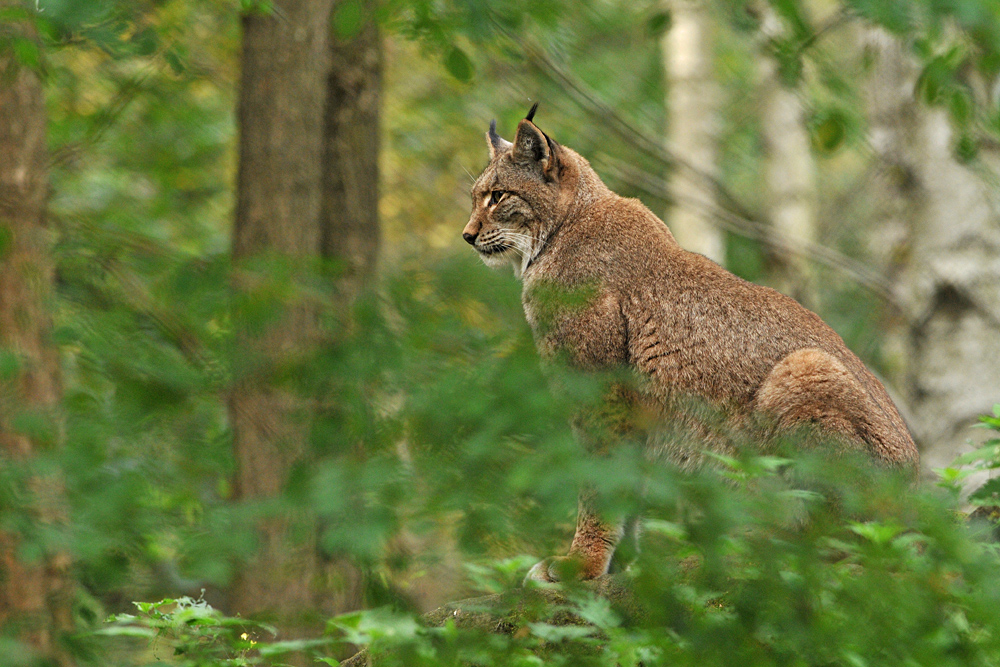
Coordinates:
[730,221]
[730,213]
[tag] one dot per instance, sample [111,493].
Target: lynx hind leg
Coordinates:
[810,386]
[591,552]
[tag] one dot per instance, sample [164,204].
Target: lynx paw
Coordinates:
[557,568]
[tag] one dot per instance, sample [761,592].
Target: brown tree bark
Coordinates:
[35,596]
[349,223]
[349,220]
[285,61]
[307,190]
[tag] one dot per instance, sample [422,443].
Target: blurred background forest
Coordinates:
[243,349]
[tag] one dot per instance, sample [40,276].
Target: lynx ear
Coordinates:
[532,147]
[496,143]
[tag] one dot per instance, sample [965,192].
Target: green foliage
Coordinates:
[458,64]
[440,417]
[433,417]
[190,633]
[760,561]
[956,45]
[348,18]
[985,459]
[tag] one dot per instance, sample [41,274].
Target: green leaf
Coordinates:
[292,645]
[264,7]
[146,42]
[966,148]
[854,659]
[960,106]
[597,611]
[363,627]
[126,631]
[792,13]
[10,364]
[988,493]
[35,425]
[347,19]
[788,57]
[876,531]
[937,77]
[893,15]
[659,23]
[14,14]
[985,421]
[6,240]
[27,53]
[829,131]
[173,59]
[76,16]
[989,453]
[557,633]
[458,64]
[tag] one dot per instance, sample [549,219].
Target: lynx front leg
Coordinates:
[592,549]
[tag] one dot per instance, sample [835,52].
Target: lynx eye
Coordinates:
[496,196]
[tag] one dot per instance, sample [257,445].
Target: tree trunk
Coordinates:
[790,172]
[308,190]
[349,227]
[948,273]
[349,224]
[693,127]
[35,595]
[285,62]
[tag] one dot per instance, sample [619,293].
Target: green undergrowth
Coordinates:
[755,561]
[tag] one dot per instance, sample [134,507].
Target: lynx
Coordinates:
[686,326]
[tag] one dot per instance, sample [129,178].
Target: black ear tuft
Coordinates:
[531,114]
[496,143]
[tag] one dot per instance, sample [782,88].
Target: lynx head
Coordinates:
[519,198]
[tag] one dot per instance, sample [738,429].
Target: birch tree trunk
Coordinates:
[35,594]
[693,100]
[943,219]
[790,171]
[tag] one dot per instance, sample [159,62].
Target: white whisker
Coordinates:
[523,243]
[472,179]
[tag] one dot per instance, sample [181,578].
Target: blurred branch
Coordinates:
[127,93]
[731,214]
[750,228]
[134,294]
[590,103]
[842,17]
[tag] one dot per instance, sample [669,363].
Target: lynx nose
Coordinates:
[469,238]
